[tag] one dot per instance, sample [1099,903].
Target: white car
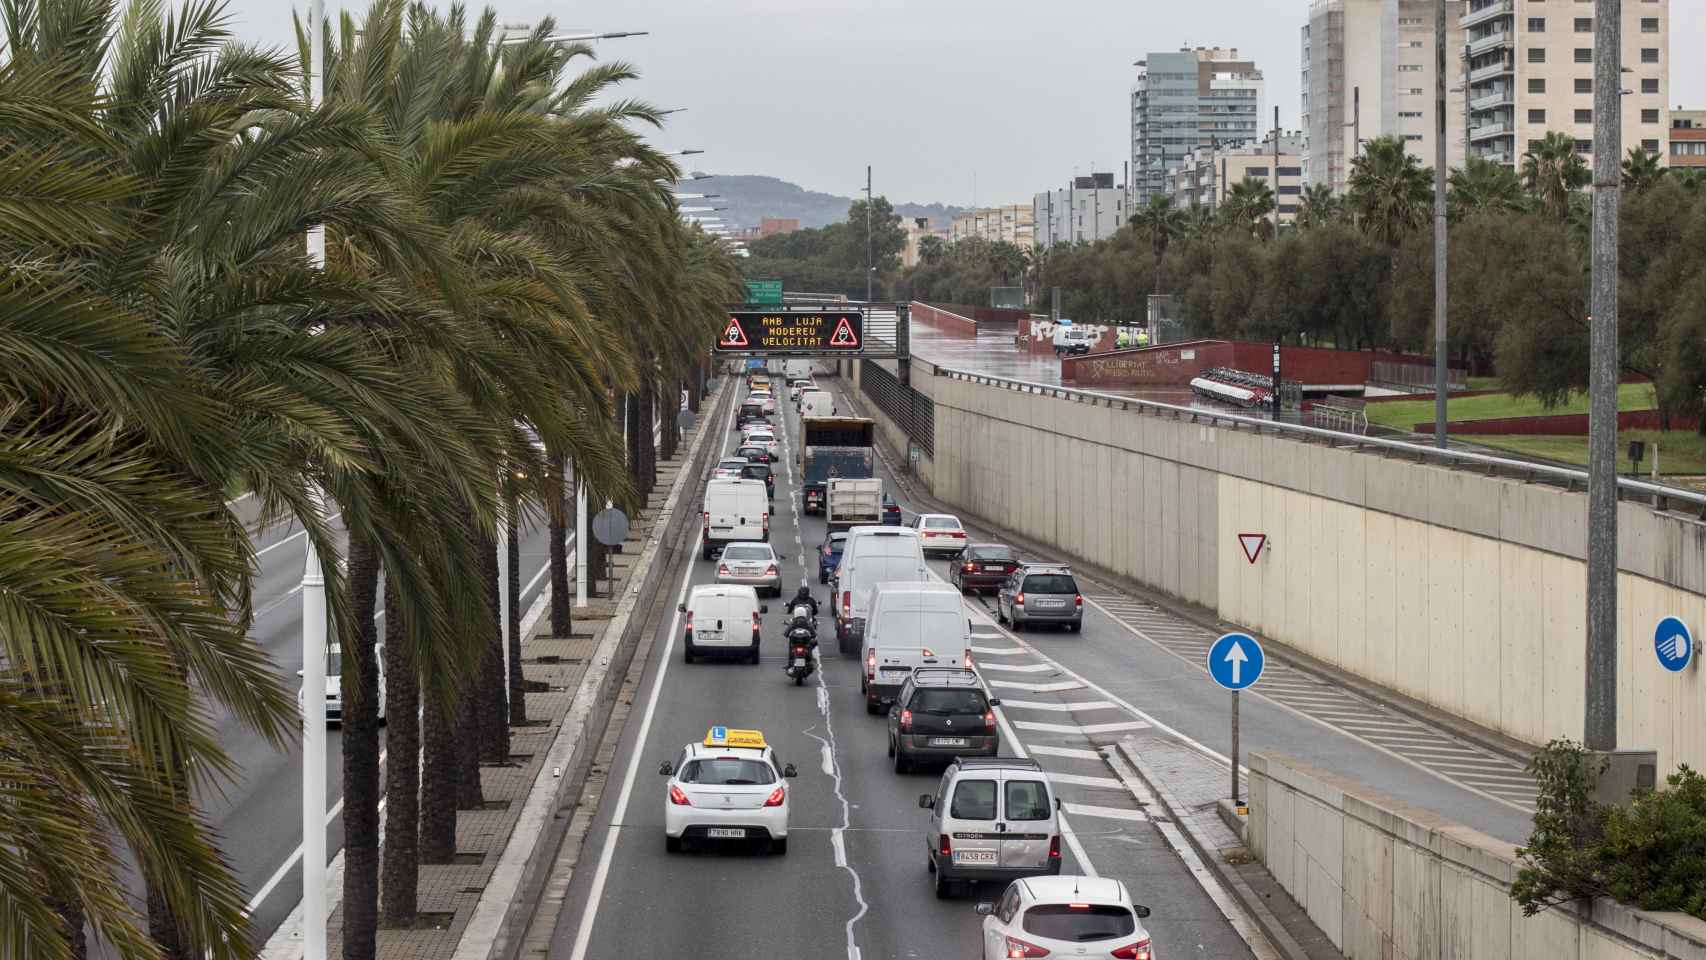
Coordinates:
[334,692]
[727,787]
[755,565]
[1065,916]
[940,532]
[728,469]
[762,436]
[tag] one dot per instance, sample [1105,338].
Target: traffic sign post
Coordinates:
[1673,644]
[1235,662]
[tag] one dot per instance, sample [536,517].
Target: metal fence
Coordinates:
[914,412]
[1349,414]
[1416,375]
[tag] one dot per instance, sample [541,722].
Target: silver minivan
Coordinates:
[991,819]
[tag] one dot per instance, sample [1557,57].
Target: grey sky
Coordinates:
[934,93]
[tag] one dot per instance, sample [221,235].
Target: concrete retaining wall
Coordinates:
[1461,590]
[1386,880]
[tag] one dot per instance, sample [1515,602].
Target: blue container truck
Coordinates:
[834,447]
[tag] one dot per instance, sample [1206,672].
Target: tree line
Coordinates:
[507,289]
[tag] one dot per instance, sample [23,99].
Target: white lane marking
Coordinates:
[1059,707]
[998,651]
[300,533]
[1058,687]
[1069,752]
[1086,729]
[1016,667]
[1106,813]
[837,836]
[601,875]
[1082,780]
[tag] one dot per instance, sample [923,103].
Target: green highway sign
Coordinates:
[764,291]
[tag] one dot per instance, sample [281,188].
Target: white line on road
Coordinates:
[1073,753]
[998,651]
[1073,728]
[1107,813]
[1060,686]
[1059,707]
[1080,780]
[1016,667]
[300,533]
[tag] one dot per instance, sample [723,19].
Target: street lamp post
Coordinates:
[870,265]
[314,622]
[1441,248]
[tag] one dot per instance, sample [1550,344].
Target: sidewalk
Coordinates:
[470,908]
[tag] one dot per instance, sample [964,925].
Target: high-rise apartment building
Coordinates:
[1199,97]
[1204,176]
[1087,209]
[1687,138]
[1368,71]
[1531,72]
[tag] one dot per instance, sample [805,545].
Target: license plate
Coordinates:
[897,669]
[1051,604]
[725,833]
[947,741]
[799,661]
[711,636]
[974,856]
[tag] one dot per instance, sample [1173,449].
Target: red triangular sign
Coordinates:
[844,335]
[1252,544]
[734,336]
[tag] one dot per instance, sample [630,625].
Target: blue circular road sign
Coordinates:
[1673,643]
[1235,661]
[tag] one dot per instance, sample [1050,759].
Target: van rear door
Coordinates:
[971,821]
[1027,817]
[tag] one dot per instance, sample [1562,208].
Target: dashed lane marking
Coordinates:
[1071,753]
[1079,780]
[1016,667]
[1106,813]
[999,651]
[1058,687]
[1080,730]
[1059,707]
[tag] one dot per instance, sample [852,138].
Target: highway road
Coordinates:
[854,877]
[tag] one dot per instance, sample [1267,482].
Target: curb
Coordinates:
[498,928]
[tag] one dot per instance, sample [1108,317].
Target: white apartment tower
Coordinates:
[1368,71]
[1531,72]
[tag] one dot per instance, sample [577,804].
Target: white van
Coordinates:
[910,625]
[722,619]
[817,403]
[735,510]
[1071,340]
[872,555]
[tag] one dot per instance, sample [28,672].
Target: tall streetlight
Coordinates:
[1441,248]
[571,37]
[314,621]
[870,264]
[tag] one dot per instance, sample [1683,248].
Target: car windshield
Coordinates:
[942,703]
[727,772]
[990,553]
[746,552]
[1079,924]
[751,451]
[941,523]
[1050,583]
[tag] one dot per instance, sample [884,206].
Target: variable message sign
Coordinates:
[815,332]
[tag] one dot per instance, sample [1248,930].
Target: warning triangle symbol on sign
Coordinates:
[844,335]
[734,336]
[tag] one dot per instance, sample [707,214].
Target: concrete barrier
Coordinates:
[1386,880]
[1462,590]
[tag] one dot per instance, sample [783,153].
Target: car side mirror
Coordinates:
[789,770]
[926,801]
[301,673]
[1141,911]
[681,608]
[1057,803]
[995,703]
[781,556]
[764,608]
[985,908]
[665,768]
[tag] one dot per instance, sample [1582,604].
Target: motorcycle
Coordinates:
[801,635]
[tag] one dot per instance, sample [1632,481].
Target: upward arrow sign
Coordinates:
[1237,657]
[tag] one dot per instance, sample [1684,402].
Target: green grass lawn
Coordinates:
[1405,414]
[1680,451]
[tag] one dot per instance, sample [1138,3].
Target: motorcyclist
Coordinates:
[804,597]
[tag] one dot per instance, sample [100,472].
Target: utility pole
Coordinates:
[870,264]
[1600,731]
[314,620]
[1276,170]
[1440,226]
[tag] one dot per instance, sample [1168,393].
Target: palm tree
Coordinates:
[1249,206]
[1641,170]
[1391,193]
[1482,185]
[1162,222]
[1553,171]
[932,249]
[1200,223]
[1318,207]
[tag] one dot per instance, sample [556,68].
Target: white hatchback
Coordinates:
[727,787]
[1065,916]
[940,532]
[762,436]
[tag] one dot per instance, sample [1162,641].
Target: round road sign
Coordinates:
[1235,661]
[684,420]
[610,526]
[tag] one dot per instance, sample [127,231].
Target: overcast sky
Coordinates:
[952,101]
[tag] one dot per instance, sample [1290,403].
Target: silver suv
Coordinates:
[1040,593]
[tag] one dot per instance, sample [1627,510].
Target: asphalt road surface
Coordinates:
[853,881]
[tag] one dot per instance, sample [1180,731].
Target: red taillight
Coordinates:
[776,797]
[1019,948]
[770,571]
[767,522]
[1134,951]
[968,660]
[722,569]
[871,664]
[677,797]
[755,620]
[989,719]
[799,649]
[707,520]
[1054,847]
[943,848]
[969,567]
[846,603]
[1078,601]
[905,720]
[1020,599]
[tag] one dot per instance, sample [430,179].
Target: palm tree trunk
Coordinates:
[517,684]
[72,918]
[696,387]
[440,781]
[469,793]
[493,713]
[401,876]
[360,684]
[164,929]
[561,618]
[631,416]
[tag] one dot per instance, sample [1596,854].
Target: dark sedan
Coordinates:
[982,566]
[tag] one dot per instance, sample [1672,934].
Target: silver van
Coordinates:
[991,819]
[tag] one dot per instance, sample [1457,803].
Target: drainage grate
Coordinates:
[465,859]
[432,920]
[494,805]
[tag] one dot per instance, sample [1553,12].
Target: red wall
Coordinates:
[943,320]
[1147,366]
[988,317]
[1558,425]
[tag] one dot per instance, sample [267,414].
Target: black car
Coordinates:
[760,471]
[753,453]
[941,713]
[982,566]
[751,411]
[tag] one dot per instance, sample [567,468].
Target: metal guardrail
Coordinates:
[1415,375]
[912,411]
[1662,497]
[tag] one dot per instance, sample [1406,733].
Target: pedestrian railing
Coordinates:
[1346,414]
[1662,496]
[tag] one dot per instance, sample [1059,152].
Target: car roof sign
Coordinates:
[724,737]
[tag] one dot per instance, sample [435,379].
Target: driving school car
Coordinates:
[727,787]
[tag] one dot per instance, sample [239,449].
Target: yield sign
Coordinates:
[844,335]
[1252,544]
[734,336]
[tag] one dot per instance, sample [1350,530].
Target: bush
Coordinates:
[1651,854]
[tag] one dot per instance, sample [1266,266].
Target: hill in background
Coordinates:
[749,198]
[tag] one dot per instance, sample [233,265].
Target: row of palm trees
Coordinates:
[507,288]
